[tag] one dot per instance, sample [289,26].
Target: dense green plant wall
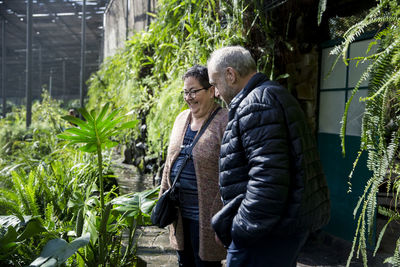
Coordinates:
[145,77]
[380,133]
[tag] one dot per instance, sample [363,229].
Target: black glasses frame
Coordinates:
[192,93]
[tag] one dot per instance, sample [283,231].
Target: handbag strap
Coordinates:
[189,154]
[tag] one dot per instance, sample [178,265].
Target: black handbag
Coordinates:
[165,211]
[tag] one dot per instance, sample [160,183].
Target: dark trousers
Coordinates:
[268,252]
[189,257]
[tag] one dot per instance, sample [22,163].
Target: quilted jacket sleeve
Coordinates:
[264,138]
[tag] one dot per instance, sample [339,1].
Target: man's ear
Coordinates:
[231,75]
[213,90]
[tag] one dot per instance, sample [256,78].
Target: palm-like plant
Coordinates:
[95,133]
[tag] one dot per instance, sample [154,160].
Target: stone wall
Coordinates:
[122,19]
[303,80]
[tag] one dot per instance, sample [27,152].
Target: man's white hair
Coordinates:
[235,57]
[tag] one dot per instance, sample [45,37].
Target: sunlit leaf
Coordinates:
[86,115]
[77,121]
[9,236]
[32,228]
[102,112]
[79,132]
[108,119]
[90,148]
[81,139]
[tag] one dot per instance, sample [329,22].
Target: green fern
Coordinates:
[395,259]
[378,140]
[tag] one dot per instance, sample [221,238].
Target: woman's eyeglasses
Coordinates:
[192,93]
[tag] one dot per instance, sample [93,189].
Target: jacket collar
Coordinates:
[257,79]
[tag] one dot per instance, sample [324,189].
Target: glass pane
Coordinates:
[337,78]
[356,109]
[359,49]
[331,107]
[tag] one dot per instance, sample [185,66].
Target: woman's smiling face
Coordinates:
[202,101]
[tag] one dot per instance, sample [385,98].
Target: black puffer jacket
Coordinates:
[269,154]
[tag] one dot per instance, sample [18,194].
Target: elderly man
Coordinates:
[271,180]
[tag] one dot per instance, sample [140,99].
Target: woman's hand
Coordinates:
[217,240]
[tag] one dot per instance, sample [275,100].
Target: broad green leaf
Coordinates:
[86,115]
[109,126]
[49,250]
[60,250]
[81,139]
[90,148]
[90,226]
[33,228]
[93,114]
[75,245]
[79,132]
[9,236]
[77,121]
[136,204]
[103,112]
[6,249]
[107,119]
[73,143]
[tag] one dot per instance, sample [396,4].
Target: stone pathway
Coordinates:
[154,247]
[153,242]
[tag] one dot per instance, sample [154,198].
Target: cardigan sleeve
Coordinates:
[174,138]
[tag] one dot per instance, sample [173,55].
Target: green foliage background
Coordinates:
[145,77]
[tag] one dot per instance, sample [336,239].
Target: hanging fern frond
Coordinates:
[321,10]
[395,260]
[378,242]
[382,109]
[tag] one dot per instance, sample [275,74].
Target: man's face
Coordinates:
[219,81]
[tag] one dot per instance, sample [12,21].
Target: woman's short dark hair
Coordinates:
[200,73]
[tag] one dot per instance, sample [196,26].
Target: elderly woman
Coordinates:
[199,199]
